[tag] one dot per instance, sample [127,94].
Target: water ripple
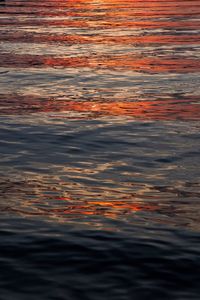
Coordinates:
[99,149]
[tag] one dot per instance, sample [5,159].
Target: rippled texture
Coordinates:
[99,149]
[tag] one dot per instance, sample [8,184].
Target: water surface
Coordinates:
[99,144]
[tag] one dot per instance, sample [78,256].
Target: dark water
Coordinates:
[99,150]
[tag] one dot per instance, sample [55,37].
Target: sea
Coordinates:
[99,150]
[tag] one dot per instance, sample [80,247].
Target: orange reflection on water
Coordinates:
[100,39]
[168,109]
[107,14]
[74,22]
[110,208]
[50,196]
[131,62]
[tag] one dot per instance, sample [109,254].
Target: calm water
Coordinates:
[100,150]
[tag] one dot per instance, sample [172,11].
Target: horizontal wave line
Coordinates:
[177,65]
[94,24]
[99,39]
[186,109]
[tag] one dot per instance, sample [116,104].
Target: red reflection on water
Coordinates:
[38,197]
[110,208]
[99,39]
[106,14]
[136,63]
[169,109]
[27,21]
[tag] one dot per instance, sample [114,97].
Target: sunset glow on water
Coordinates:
[99,144]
